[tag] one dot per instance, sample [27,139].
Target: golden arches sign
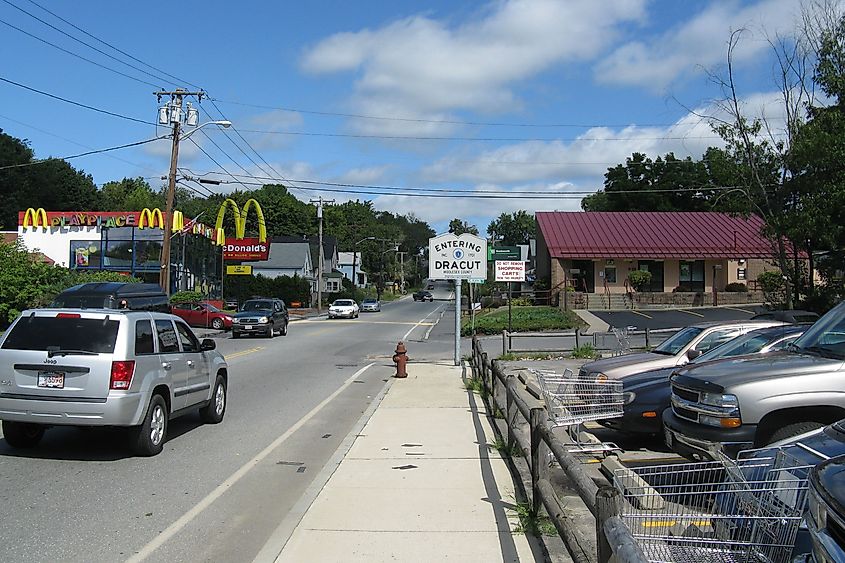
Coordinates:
[240,218]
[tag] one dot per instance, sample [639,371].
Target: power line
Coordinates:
[92,108]
[97,151]
[51,26]
[95,63]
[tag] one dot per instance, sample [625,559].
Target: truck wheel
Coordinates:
[795,429]
[22,434]
[213,412]
[148,438]
[284,331]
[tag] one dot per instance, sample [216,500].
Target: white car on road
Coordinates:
[346,308]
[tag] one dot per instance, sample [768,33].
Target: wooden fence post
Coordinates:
[504,342]
[536,419]
[608,500]
[509,409]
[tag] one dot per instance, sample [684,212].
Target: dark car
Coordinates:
[788,316]
[646,395]
[423,296]
[114,295]
[265,317]
[202,314]
[825,517]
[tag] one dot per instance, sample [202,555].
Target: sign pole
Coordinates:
[458,322]
[510,298]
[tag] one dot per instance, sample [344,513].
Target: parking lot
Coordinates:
[675,318]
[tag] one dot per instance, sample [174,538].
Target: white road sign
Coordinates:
[510,271]
[454,257]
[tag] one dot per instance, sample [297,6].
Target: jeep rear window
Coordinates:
[39,333]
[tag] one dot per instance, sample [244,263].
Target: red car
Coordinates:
[202,314]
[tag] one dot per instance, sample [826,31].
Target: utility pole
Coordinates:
[320,201]
[401,272]
[172,113]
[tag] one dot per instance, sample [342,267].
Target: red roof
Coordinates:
[644,235]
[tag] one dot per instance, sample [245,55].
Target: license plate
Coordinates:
[668,436]
[248,327]
[51,379]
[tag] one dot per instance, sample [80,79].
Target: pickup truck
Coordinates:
[751,402]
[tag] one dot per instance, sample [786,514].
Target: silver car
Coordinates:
[370,305]
[678,349]
[97,367]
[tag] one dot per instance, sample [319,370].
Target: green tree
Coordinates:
[513,229]
[129,194]
[459,227]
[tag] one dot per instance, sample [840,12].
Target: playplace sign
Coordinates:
[453,257]
[36,218]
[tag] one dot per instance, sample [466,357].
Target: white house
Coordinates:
[286,259]
[345,263]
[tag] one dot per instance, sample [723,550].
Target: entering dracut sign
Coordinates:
[246,249]
[453,257]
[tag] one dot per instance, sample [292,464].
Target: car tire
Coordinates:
[271,332]
[148,438]
[213,412]
[217,324]
[235,335]
[284,330]
[795,429]
[22,434]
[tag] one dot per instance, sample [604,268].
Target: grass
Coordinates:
[523,319]
[502,447]
[533,524]
[475,385]
[585,351]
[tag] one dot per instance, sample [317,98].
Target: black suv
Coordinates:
[114,295]
[264,316]
[423,296]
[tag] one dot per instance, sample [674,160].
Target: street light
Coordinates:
[164,276]
[355,259]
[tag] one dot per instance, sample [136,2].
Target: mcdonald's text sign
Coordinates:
[246,249]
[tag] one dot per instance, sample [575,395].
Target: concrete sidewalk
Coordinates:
[419,483]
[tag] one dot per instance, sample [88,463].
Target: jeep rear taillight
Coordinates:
[68,316]
[121,374]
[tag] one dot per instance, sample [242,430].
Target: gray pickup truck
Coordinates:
[754,401]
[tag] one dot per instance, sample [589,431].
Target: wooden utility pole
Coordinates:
[320,201]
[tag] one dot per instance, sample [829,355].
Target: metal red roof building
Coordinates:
[652,235]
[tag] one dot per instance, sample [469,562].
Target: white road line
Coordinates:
[186,518]
[410,330]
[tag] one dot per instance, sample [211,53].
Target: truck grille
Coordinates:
[250,321]
[685,394]
[685,413]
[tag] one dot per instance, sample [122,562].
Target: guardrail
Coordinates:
[613,538]
[600,341]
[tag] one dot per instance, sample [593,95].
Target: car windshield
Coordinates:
[826,337]
[63,333]
[257,306]
[343,303]
[370,301]
[677,342]
[749,343]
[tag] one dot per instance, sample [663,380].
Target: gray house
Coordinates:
[286,259]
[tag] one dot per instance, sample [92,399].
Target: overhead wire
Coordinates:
[88,153]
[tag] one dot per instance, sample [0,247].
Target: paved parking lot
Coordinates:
[676,317]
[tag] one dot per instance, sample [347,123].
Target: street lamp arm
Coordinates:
[222,123]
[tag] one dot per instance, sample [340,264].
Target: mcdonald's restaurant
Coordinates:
[127,242]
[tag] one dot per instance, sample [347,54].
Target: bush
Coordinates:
[639,279]
[521,301]
[683,289]
[773,286]
[736,287]
[187,297]
[585,351]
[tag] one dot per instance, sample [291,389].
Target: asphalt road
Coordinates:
[217,492]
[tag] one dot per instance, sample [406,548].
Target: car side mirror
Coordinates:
[692,353]
[208,344]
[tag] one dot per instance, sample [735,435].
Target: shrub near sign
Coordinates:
[455,257]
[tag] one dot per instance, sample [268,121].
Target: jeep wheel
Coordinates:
[217,324]
[235,335]
[213,412]
[271,332]
[284,331]
[148,438]
[795,429]
[22,434]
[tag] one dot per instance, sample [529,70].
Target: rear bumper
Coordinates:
[688,437]
[118,409]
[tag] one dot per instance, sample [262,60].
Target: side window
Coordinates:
[143,338]
[187,338]
[167,340]
[717,337]
[783,344]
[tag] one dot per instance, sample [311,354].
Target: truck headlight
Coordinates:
[718,400]
[263,320]
[628,397]
[235,320]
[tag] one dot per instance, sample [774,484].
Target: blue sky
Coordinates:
[400,98]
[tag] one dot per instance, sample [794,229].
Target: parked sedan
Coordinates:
[677,350]
[347,308]
[370,305]
[202,314]
[646,395]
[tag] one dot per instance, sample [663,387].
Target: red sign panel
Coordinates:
[246,249]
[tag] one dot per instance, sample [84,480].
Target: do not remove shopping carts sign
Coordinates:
[510,271]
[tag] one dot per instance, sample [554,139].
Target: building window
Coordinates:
[691,275]
[85,254]
[610,274]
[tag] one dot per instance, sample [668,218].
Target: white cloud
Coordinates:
[420,67]
[700,42]
[276,120]
[369,175]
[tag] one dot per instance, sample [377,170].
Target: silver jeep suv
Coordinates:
[98,367]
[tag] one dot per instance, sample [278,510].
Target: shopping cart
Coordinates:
[623,344]
[571,402]
[744,510]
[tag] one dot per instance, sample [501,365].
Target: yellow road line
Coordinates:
[244,352]
[690,312]
[642,314]
[738,309]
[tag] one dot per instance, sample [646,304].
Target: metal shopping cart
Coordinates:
[745,510]
[623,343]
[571,402]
